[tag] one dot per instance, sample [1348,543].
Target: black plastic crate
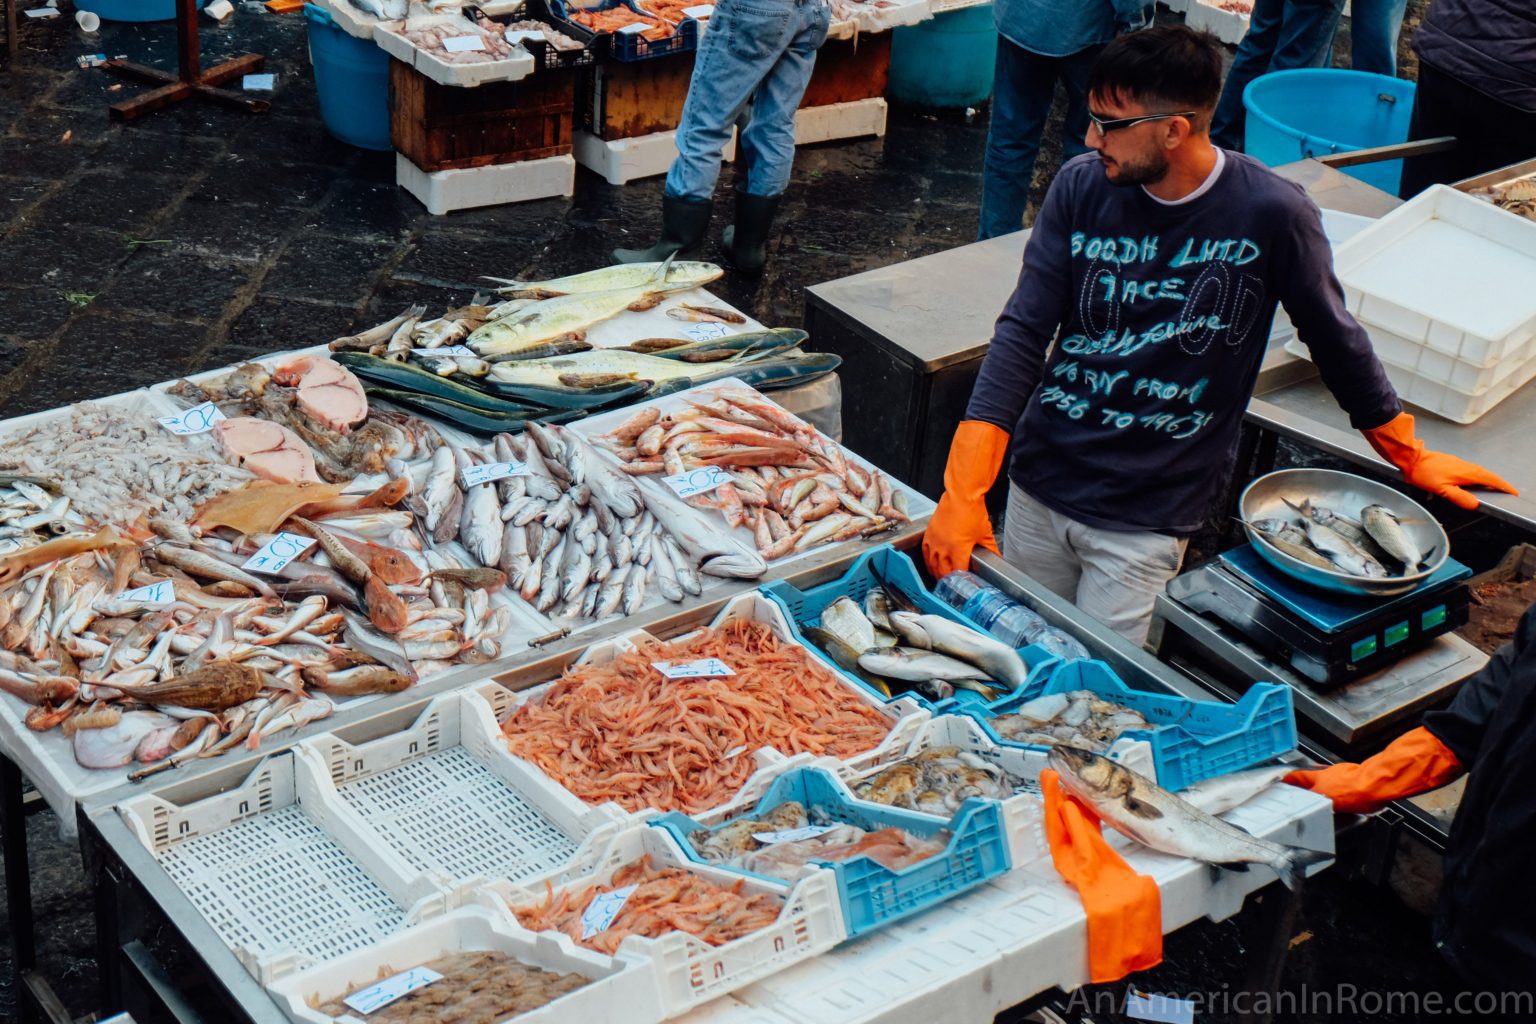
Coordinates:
[623,46]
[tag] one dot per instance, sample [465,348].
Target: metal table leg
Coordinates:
[18,882]
[1273,924]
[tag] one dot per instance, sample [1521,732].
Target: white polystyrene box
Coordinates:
[492,185]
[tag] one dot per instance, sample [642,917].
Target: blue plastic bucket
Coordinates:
[1293,115]
[946,61]
[131,10]
[352,78]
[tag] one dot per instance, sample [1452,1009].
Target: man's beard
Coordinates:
[1149,172]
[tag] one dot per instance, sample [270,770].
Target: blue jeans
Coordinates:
[1023,86]
[1373,29]
[754,51]
[1282,34]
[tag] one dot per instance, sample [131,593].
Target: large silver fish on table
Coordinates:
[995,659]
[711,550]
[1155,818]
[680,273]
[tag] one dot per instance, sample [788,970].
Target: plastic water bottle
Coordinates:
[957,588]
[1059,645]
[1003,617]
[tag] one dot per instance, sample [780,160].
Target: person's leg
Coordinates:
[1252,60]
[1122,575]
[1022,88]
[1035,540]
[1373,29]
[769,138]
[1074,77]
[1306,34]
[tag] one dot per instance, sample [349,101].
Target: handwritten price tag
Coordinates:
[387,991]
[456,351]
[637,27]
[793,835]
[700,12]
[463,44]
[697,481]
[735,751]
[474,476]
[701,669]
[605,906]
[278,552]
[706,332]
[160,592]
[197,420]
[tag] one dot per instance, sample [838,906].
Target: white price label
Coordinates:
[635,29]
[491,472]
[605,906]
[517,35]
[457,351]
[699,13]
[259,83]
[376,997]
[160,592]
[1165,1009]
[463,44]
[706,332]
[697,481]
[197,420]
[793,835]
[278,552]
[701,669]
[735,751]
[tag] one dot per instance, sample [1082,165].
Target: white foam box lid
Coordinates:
[622,988]
[1449,270]
[509,69]
[691,971]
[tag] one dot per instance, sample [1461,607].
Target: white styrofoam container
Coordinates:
[348,18]
[284,880]
[446,796]
[918,504]
[621,161]
[1228,26]
[852,120]
[508,69]
[689,970]
[1449,271]
[905,716]
[621,988]
[1432,386]
[1022,813]
[464,188]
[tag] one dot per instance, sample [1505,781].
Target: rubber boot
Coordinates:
[746,241]
[683,225]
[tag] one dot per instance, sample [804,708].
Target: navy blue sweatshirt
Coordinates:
[1160,315]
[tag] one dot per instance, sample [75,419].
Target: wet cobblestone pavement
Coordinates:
[199,236]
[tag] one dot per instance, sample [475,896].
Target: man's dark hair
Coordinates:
[1170,67]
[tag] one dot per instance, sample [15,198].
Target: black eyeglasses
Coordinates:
[1105,126]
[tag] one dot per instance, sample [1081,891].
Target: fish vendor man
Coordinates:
[1119,370]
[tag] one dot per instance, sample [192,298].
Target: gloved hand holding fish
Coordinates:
[896,649]
[741,845]
[793,488]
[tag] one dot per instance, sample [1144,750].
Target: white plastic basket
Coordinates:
[905,716]
[446,796]
[1449,271]
[689,970]
[281,879]
[622,988]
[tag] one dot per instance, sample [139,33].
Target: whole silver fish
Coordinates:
[914,665]
[207,566]
[1222,793]
[1344,554]
[711,550]
[995,658]
[1387,530]
[442,496]
[481,529]
[1286,543]
[364,639]
[1155,818]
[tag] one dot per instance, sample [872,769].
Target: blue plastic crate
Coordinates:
[623,46]
[872,894]
[1191,740]
[885,563]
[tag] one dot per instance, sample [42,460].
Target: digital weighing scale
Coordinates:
[1327,638]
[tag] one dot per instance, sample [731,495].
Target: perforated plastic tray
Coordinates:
[690,971]
[446,796]
[282,883]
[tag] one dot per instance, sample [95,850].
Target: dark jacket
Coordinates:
[1488,45]
[1486,926]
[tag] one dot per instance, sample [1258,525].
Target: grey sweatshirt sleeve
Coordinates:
[1314,299]
[1029,321]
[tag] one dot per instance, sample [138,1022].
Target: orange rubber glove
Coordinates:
[960,522]
[1125,910]
[1416,762]
[1436,472]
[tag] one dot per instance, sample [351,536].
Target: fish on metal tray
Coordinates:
[1386,529]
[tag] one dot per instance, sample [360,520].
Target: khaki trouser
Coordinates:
[1113,575]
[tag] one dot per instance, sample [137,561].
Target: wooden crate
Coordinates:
[625,101]
[442,127]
